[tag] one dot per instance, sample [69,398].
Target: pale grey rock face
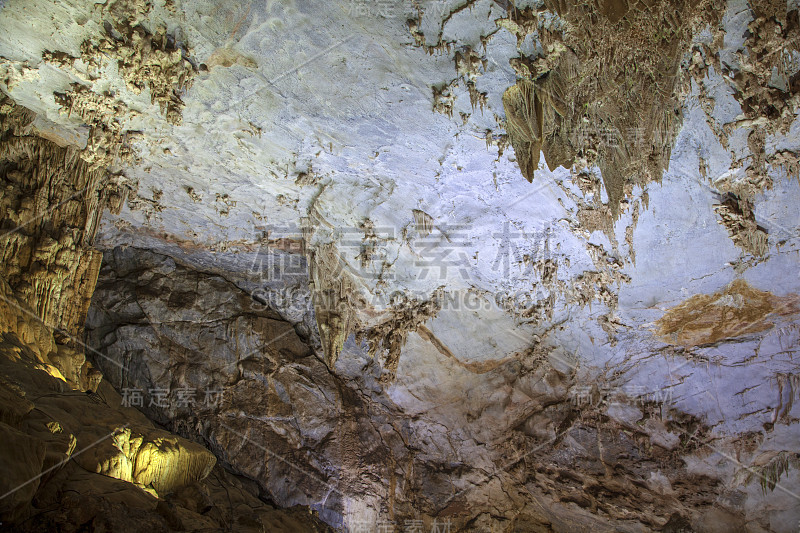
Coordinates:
[542,385]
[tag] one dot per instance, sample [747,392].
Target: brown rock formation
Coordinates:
[522,444]
[736,311]
[74,458]
[607,90]
[52,202]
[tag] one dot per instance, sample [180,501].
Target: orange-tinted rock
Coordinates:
[737,310]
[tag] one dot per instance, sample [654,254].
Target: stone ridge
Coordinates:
[75,456]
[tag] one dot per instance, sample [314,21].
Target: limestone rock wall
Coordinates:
[526,444]
[52,202]
[78,461]
[212,363]
[610,347]
[74,458]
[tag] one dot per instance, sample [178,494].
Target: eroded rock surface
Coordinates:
[74,458]
[78,461]
[329,246]
[481,446]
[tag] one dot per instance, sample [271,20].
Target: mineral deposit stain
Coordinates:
[737,310]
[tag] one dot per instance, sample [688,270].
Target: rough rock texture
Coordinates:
[278,414]
[73,457]
[81,461]
[736,311]
[51,203]
[521,443]
[338,235]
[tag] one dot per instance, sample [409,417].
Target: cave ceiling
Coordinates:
[489,220]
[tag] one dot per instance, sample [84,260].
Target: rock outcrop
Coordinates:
[323,264]
[52,203]
[528,442]
[78,461]
[74,457]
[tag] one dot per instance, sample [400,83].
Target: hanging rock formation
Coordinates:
[75,456]
[475,265]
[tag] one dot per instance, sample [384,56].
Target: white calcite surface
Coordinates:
[313,126]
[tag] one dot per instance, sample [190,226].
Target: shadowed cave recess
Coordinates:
[400,266]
